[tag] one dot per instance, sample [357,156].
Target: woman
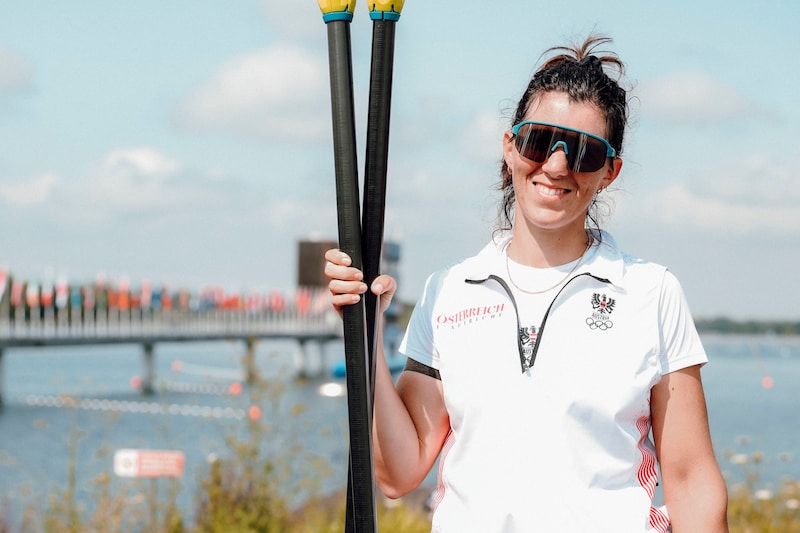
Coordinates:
[551,372]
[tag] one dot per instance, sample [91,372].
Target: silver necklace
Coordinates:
[565,278]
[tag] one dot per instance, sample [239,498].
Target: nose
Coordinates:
[559,144]
[556,163]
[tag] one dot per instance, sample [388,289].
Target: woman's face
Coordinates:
[550,196]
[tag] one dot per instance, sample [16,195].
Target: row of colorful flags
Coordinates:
[18,293]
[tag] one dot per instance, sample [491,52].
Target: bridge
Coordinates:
[306,317]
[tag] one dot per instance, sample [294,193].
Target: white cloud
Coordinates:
[294,19]
[482,138]
[693,97]
[134,189]
[270,94]
[301,216]
[135,181]
[144,161]
[680,207]
[750,196]
[758,179]
[32,192]
[15,71]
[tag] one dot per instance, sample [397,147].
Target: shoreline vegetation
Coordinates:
[747,327]
[254,488]
[247,493]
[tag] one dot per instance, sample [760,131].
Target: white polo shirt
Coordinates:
[564,445]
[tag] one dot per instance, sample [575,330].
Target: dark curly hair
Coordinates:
[579,73]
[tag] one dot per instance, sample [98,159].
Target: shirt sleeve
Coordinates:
[418,342]
[680,343]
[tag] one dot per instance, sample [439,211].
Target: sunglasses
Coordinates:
[585,152]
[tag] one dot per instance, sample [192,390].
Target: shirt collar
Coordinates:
[605,261]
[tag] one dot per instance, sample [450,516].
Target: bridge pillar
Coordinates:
[305,363]
[322,357]
[149,374]
[249,361]
[300,363]
[2,379]
[324,365]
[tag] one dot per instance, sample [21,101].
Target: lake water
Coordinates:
[77,406]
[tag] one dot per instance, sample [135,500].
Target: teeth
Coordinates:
[547,191]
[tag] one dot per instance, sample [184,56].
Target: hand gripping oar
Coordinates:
[337,16]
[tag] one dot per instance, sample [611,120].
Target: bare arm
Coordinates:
[694,490]
[410,421]
[410,424]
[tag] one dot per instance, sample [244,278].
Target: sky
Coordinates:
[190,142]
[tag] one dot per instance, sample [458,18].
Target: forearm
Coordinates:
[697,503]
[694,490]
[397,439]
[396,442]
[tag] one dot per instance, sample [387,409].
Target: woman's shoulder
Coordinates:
[480,265]
[477,266]
[623,265]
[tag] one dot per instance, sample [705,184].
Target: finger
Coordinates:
[338,257]
[338,286]
[384,284]
[339,272]
[341,300]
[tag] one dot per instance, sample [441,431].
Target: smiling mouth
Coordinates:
[549,191]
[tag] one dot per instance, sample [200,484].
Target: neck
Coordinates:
[542,249]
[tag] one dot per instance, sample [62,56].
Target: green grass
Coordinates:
[756,506]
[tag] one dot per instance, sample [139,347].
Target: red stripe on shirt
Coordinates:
[647,475]
[438,494]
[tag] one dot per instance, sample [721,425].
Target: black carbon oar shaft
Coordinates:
[377,157]
[372,222]
[361,509]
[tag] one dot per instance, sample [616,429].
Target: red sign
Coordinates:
[148,463]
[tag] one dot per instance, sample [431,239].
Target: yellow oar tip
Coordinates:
[386,9]
[337,9]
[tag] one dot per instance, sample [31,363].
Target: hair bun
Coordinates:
[591,61]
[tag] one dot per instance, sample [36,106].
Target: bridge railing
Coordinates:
[306,317]
[308,314]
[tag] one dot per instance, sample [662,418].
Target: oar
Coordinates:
[384,16]
[361,497]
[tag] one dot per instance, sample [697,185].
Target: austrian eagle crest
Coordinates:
[603,304]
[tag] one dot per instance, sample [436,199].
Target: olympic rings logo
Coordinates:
[596,323]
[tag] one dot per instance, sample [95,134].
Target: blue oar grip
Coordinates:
[384,15]
[347,16]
